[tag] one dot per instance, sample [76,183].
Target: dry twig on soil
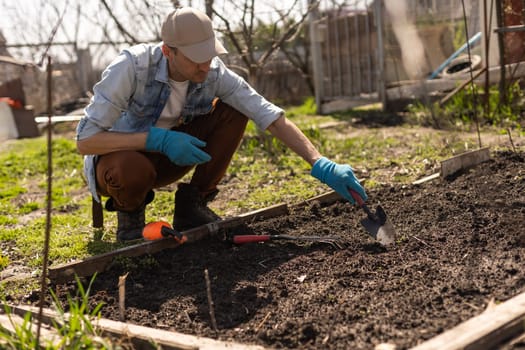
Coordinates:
[210,300]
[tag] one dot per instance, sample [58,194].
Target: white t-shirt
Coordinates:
[170,115]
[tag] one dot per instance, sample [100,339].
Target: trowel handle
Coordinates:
[361,203]
[356,197]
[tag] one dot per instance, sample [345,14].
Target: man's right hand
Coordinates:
[181,148]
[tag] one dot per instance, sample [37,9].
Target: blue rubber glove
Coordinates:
[339,177]
[181,148]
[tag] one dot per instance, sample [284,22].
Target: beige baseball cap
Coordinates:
[191,32]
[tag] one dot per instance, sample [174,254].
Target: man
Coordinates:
[161,110]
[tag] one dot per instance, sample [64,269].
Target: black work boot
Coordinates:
[131,224]
[191,208]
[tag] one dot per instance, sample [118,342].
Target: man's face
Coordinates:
[181,68]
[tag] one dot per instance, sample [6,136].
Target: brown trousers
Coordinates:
[127,176]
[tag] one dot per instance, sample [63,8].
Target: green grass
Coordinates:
[74,328]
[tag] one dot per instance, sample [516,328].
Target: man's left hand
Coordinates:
[340,177]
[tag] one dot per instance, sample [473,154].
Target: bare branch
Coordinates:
[276,34]
[231,35]
[120,27]
[289,32]
[70,53]
[52,36]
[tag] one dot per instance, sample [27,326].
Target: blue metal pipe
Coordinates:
[471,42]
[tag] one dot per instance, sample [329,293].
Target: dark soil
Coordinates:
[461,245]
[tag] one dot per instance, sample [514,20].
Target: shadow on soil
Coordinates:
[179,274]
[371,119]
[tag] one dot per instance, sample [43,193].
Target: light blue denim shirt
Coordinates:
[134,90]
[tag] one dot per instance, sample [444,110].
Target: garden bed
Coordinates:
[460,245]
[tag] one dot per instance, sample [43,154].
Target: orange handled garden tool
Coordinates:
[376,224]
[161,229]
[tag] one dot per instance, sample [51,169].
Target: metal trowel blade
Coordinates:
[380,227]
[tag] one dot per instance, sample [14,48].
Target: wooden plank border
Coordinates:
[464,161]
[324,198]
[485,331]
[142,337]
[426,179]
[98,263]
[10,323]
[66,272]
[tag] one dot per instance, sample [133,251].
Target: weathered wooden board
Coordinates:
[484,331]
[143,337]
[87,267]
[464,161]
[58,118]
[426,179]
[325,198]
[10,323]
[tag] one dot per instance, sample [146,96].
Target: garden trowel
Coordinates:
[376,224]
